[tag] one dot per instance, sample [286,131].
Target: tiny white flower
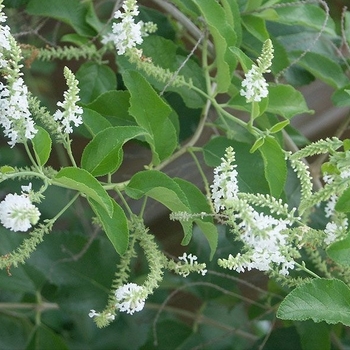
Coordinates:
[130,298]
[17,213]
[27,188]
[93,313]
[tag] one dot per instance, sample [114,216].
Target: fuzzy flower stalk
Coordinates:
[126,34]
[267,244]
[130,297]
[254,86]
[15,117]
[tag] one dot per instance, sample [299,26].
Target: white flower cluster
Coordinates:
[254,86]
[17,213]
[126,34]
[225,184]
[264,237]
[190,265]
[71,112]
[130,298]
[15,117]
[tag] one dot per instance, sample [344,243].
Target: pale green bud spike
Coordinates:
[265,59]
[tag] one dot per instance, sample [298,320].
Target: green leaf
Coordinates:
[251,5]
[324,68]
[257,144]
[340,251]
[243,59]
[152,114]
[347,26]
[104,153]
[45,338]
[162,188]
[314,335]
[6,169]
[318,300]
[94,80]
[210,232]
[343,203]
[42,145]
[223,36]
[167,55]
[309,16]
[279,126]
[75,39]
[114,105]
[147,183]
[233,16]
[115,226]
[275,166]
[72,12]
[341,98]
[198,203]
[256,26]
[82,181]
[285,101]
[94,122]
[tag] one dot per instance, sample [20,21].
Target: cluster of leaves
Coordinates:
[46,300]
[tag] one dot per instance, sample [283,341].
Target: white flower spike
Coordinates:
[254,86]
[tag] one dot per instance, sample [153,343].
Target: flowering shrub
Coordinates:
[256,201]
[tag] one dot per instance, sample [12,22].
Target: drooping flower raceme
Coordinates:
[265,238]
[254,86]
[17,213]
[127,34]
[71,112]
[130,298]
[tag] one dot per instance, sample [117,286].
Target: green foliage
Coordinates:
[82,181]
[42,146]
[319,300]
[275,166]
[94,80]
[115,225]
[149,125]
[152,114]
[77,14]
[104,154]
